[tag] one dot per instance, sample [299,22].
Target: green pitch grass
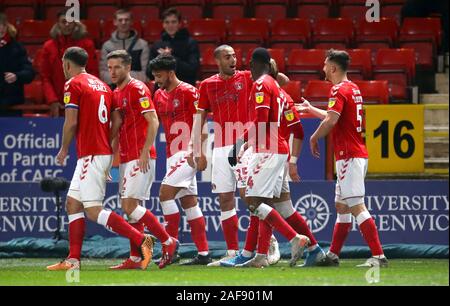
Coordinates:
[95,272]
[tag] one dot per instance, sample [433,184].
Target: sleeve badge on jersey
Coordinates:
[145,102]
[289,115]
[259,96]
[66,97]
[331,102]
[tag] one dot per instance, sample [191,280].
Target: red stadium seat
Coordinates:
[152,30]
[360,64]
[290,33]
[374,92]
[16,14]
[397,66]
[248,33]
[312,10]
[144,12]
[94,30]
[208,31]
[391,11]
[318,92]
[101,12]
[354,10]
[278,56]
[37,60]
[294,89]
[35,31]
[270,9]
[34,93]
[228,10]
[332,31]
[305,65]
[383,33]
[190,12]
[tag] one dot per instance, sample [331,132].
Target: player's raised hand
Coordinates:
[293,173]
[61,156]
[314,145]
[303,107]
[143,161]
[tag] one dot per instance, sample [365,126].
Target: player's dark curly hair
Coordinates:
[76,55]
[163,63]
[339,57]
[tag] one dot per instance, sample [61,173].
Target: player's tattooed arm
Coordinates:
[152,129]
[69,130]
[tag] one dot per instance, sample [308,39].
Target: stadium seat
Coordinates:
[52,7]
[312,10]
[248,33]
[354,10]
[397,66]
[290,33]
[304,65]
[17,14]
[152,30]
[318,92]
[392,9]
[94,30]
[210,32]
[360,64]
[374,91]
[189,11]
[293,89]
[270,9]
[101,12]
[377,35]
[34,93]
[35,31]
[279,57]
[228,10]
[37,60]
[330,32]
[144,12]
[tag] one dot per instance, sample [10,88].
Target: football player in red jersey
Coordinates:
[88,112]
[175,103]
[343,120]
[270,153]
[136,124]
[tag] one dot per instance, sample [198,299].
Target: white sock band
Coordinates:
[344,218]
[227,214]
[75,217]
[193,213]
[103,217]
[363,217]
[169,207]
[285,208]
[138,213]
[263,211]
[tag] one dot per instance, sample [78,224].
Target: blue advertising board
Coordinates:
[404,211]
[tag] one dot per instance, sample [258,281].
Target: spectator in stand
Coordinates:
[126,38]
[15,68]
[176,41]
[63,35]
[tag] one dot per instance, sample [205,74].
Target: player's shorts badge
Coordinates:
[145,102]
[259,96]
[66,97]
[331,102]
[289,115]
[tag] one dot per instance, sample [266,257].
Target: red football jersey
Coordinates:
[346,100]
[133,101]
[266,93]
[291,117]
[93,99]
[228,100]
[176,110]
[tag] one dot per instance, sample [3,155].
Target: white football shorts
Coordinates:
[180,174]
[134,184]
[350,189]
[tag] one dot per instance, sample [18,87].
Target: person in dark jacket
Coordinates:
[176,41]
[15,68]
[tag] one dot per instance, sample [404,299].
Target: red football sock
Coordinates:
[121,227]
[198,233]
[277,222]
[265,232]
[135,249]
[340,234]
[76,235]
[172,224]
[298,223]
[230,230]
[370,234]
[152,224]
[251,239]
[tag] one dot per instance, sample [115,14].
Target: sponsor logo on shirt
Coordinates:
[259,96]
[331,102]
[145,102]
[66,97]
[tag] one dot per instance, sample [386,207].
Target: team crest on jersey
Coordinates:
[238,86]
[259,96]
[66,97]
[289,115]
[176,102]
[124,102]
[145,102]
[331,102]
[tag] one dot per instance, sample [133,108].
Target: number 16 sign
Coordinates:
[394,138]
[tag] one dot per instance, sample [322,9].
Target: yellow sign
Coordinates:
[394,138]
